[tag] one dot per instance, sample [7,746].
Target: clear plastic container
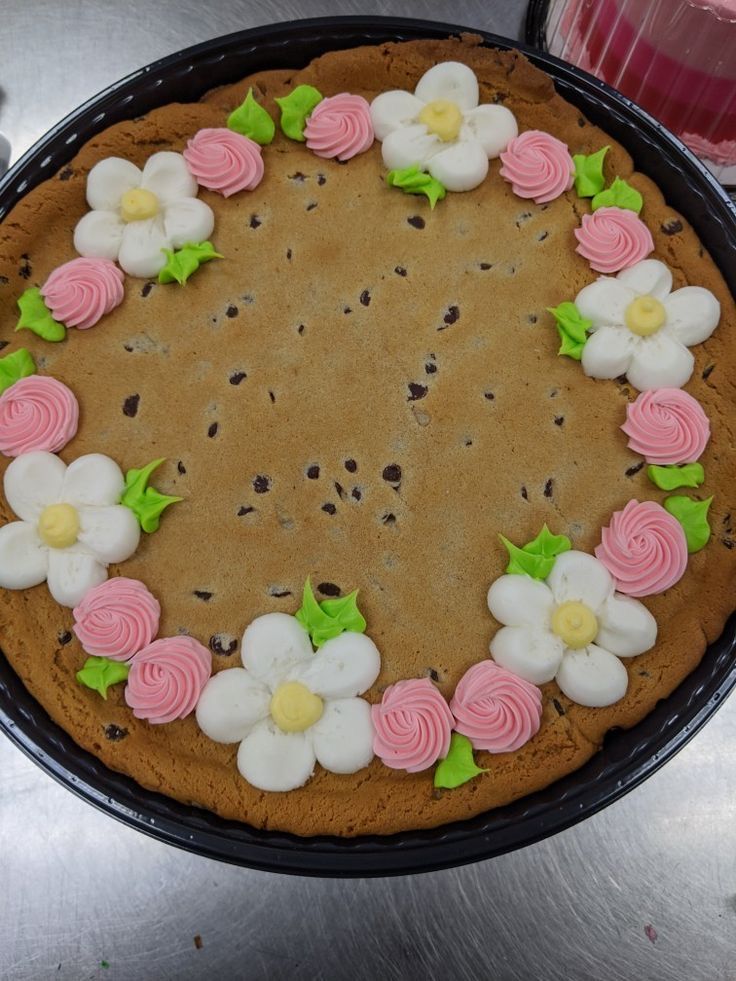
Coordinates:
[676,58]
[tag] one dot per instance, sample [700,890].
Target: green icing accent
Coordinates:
[412,180]
[693,516]
[618,195]
[458,766]
[252,120]
[99,673]
[13,367]
[669,477]
[536,558]
[36,316]
[295,107]
[589,179]
[145,502]
[572,328]
[184,261]
[331,617]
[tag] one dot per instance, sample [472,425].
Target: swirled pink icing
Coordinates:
[612,239]
[83,290]
[537,166]
[644,548]
[340,127]
[37,413]
[166,679]
[116,619]
[666,425]
[412,725]
[224,161]
[495,709]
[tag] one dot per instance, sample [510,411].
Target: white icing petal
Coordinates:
[392,110]
[93,480]
[108,181]
[492,126]
[659,361]
[71,573]
[167,176]
[274,760]
[23,558]
[342,668]
[231,703]
[461,167]
[692,314]
[517,600]
[604,302]
[592,677]
[110,533]
[32,481]
[449,80]
[188,220]
[141,252]
[532,653]
[343,737]
[99,234]
[626,627]
[607,352]
[408,146]
[580,577]
[650,277]
[272,645]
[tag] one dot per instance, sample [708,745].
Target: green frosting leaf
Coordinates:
[693,516]
[295,107]
[331,617]
[618,195]
[536,558]
[413,180]
[13,367]
[252,120]
[573,329]
[589,179]
[669,477]
[458,766]
[146,503]
[184,261]
[36,316]
[99,673]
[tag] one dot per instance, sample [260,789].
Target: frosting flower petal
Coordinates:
[80,292]
[413,724]
[72,573]
[450,80]
[23,560]
[343,737]
[37,413]
[692,314]
[166,679]
[537,166]
[627,628]
[224,161]
[460,167]
[116,619]
[343,667]
[517,600]
[166,175]
[667,426]
[650,277]
[230,705]
[531,652]
[340,127]
[32,482]
[495,709]
[577,576]
[592,677]
[274,760]
[612,239]
[661,362]
[109,180]
[272,645]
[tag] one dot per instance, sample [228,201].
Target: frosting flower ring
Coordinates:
[667,426]
[81,291]
[116,619]
[136,214]
[573,628]
[340,127]
[166,679]
[37,413]
[441,128]
[413,725]
[497,710]
[289,707]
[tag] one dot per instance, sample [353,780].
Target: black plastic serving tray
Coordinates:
[627,757]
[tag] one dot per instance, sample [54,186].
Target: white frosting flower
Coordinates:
[71,526]
[642,329]
[138,213]
[289,707]
[573,627]
[441,128]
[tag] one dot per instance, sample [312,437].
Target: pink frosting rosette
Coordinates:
[340,126]
[537,166]
[612,239]
[83,290]
[666,425]
[644,548]
[413,724]
[497,710]
[166,679]
[37,413]
[116,619]
[224,161]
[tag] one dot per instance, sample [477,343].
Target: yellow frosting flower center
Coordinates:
[575,624]
[294,708]
[443,118]
[58,526]
[138,204]
[645,315]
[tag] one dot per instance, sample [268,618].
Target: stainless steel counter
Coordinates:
[646,889]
